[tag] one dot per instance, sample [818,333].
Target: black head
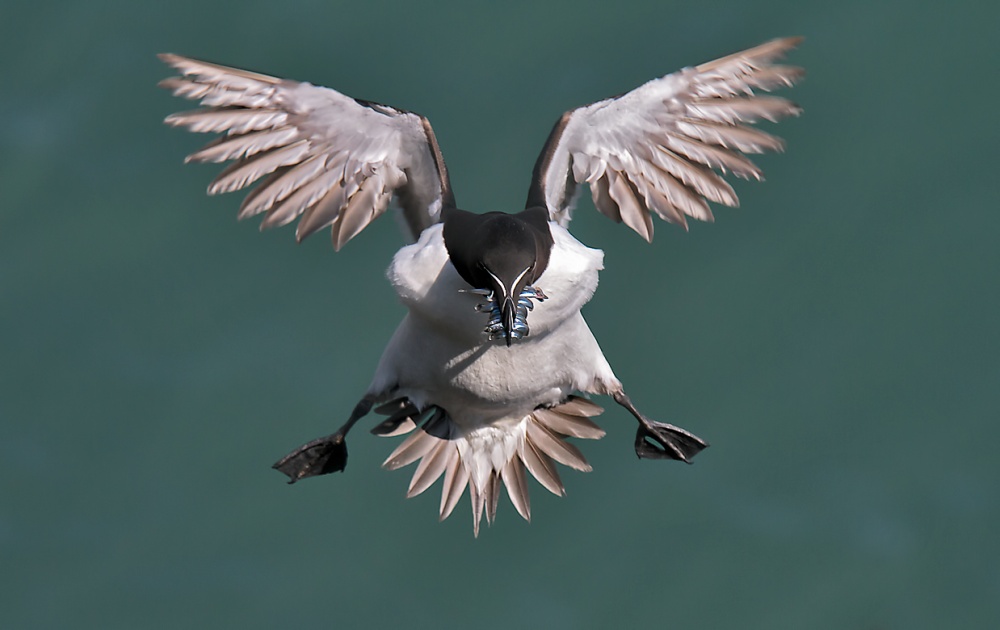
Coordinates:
[500,253]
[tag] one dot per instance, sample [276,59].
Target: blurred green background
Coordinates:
[835,338]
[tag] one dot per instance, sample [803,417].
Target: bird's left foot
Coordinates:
[659,440]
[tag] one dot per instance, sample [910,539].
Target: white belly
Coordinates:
[440,355]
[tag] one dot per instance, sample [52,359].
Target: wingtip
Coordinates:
[170,83]
[172,59]
[785,43]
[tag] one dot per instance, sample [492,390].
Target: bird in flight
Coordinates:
[488,371]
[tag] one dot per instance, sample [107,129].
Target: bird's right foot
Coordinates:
[325,455]
[319,457]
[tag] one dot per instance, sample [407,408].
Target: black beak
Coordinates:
[507,314]
[508,307]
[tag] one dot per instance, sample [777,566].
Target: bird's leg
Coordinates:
[324,455]
[659,440]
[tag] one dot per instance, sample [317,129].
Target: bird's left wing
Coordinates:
[335,160]
[657,148]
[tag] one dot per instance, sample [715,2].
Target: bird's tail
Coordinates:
[483,458]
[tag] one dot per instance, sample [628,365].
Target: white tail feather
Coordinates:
[484,458]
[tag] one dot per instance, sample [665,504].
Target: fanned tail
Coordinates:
[484,458]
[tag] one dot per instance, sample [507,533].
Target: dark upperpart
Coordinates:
[500,253]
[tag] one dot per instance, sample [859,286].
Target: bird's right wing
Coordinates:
[656,149]
[334,160]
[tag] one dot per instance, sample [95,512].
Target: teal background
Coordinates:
[835,338]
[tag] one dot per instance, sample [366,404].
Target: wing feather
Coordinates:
[656,149]
[329,158]
[322,214]
[227,148]
[287,180]
[242,173]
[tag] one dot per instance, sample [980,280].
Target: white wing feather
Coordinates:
[329,158]
[656,149]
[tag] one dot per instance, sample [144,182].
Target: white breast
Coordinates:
[440,355]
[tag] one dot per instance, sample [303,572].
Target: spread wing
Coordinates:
[331,159]
[657,148]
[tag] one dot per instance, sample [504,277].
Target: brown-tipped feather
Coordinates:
[245,172]
[737,137]
[701,179]
[225,148]
[632,212]
[359,212]
[662,185]
[305,196]
[455,480]
[559,450]
[516,482]
[217,95]
[477,499]
[659,203]
[271,192]
[712,156]
[542,469]
[758,55]
[580,407]
[229,120]
[731,111]
[431,466]
[418,444]
[323,213]
[395,426]
[565,423]
[738,85]
[207,71]
[602,199]
[491,497]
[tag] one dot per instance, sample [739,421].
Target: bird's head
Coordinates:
[500,256]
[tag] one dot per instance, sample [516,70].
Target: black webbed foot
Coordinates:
[658,440]
[325,455]
[319,457]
